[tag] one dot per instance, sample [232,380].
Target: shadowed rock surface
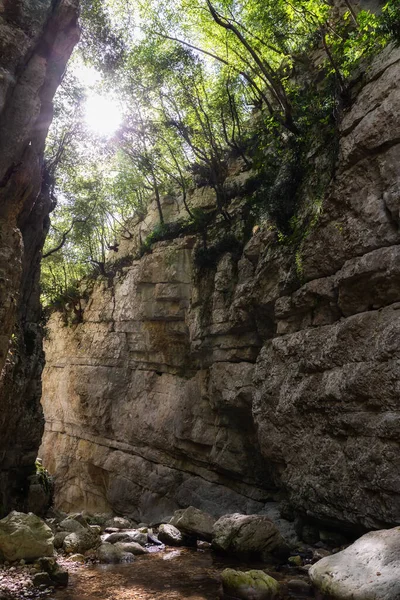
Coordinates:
[36,40]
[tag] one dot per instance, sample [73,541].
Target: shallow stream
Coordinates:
[170,574]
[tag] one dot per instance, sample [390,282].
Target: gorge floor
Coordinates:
[170,574]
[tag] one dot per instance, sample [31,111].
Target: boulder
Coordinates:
[81,541]
[71,525]
[50,566]
[78,517]
[170,535]
[194,522]
[95,529]
[25,536]
[78,558]
[136,536]
[97,518]
[113,538]
[152,539]
[109,554]
[132,547]
[367,570]
[59,539]
[41,579]
[252,585]
[251,535]
[118,523]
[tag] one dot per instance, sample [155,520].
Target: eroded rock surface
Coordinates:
[36,40]
[269,375]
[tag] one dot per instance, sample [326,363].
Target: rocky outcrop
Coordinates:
[268,375]
[36,39]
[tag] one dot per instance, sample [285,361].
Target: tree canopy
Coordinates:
[196,81]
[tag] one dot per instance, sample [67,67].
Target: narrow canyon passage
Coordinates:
[199,299]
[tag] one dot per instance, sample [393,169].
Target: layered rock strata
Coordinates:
[36,40]
[272,375]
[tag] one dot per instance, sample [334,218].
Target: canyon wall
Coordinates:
[271,375]
[36,40]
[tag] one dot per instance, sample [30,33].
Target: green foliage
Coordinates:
[163,231]
[207,258]
[200,84]
[44,477]
[196,223]
[390,21]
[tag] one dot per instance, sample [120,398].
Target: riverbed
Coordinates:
[170,574]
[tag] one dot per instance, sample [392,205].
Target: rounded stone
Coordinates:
[250,585]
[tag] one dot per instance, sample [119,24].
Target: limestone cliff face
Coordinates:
[231,386]
[36,40]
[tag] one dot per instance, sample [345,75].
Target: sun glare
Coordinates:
[103,115]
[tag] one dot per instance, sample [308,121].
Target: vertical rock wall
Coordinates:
[271,375]
[36,40]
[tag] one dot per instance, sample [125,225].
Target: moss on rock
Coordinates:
[250,585]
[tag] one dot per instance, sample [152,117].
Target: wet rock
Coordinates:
[252,585]
[153,540]
[136,536]
[81,541]
[194,522]
[25,536]
[132,547]
[367,570]
[248,535]
[170,535]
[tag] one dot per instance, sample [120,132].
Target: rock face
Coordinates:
[366,570]
[36,39]
[268,375]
